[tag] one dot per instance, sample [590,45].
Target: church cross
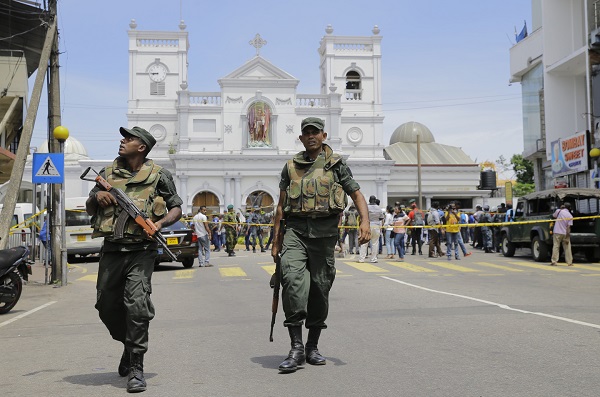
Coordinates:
[257,43]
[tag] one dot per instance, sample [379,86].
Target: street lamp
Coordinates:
[61,134]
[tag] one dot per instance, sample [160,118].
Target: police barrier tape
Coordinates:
[491,224]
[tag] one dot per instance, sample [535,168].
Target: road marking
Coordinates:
[89,277]
[450,266]
[543,267]
[183,274]
[510,269]
[367,267]
[587,267]
[269,269]
[20,316]
[500,305]
[411,267]
[232,272]
[83,269]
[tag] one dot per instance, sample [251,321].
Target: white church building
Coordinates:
[228,147]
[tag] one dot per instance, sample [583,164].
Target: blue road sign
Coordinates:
[48,168]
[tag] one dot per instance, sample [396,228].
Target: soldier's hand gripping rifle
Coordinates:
[129,210]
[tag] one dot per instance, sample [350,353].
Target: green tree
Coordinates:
[524,172]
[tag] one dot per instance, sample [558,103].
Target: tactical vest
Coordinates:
[141,189]
[230,219]
[313,190]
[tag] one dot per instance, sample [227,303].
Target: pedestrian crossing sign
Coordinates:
[48,168]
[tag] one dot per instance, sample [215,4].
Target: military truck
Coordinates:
[533,223]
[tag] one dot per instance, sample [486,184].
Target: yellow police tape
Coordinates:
[491,224]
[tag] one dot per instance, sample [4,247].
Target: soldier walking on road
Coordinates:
[308,246]
[126,264]
[231,229]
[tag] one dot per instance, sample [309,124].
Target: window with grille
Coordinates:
[157,88]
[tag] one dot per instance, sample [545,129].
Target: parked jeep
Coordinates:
[537,209]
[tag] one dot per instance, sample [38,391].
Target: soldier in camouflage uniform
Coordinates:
[231,229]
[313,190]
[126,264]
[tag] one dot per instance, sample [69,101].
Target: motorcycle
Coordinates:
[14,268]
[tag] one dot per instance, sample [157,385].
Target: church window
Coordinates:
[353,87]
[259,125]
[157,88]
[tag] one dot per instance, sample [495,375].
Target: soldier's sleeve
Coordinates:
[166,189]
[345,178]
[284,181]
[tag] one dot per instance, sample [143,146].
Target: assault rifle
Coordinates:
[275,282]
[129,210]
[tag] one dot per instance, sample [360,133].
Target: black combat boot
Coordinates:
[296,357]
[136,382]
[124,364]
[313,357]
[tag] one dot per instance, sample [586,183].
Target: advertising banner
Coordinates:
[569,155]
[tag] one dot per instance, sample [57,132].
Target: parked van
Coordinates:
[24,222]
[78,228]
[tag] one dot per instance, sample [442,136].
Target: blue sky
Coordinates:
[445,64]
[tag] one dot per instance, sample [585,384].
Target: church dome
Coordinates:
[72,147]
[407,133]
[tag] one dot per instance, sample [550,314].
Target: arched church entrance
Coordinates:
[261,199]
[210,200]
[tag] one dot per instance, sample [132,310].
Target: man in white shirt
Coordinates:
[204,234]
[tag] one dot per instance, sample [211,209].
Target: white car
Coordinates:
[78,228]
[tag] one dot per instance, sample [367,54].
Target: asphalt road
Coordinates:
[482,326]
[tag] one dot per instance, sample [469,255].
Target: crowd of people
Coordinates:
[396,228]
[220,231]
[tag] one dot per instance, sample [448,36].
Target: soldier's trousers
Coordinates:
[308,271]
[123,296]
[231,236]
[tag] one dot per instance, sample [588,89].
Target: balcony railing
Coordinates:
[354,95]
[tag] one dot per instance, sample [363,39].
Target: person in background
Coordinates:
[375,220]
[400,220]
[351,221]
[204,234]
[433,220]
[231,223]
[253,229]
[561,234]
[486,231]
[215,230]
[388,224]
[417,218]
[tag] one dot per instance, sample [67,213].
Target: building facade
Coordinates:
[557,64]
[229,147]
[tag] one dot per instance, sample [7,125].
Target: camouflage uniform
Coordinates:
[126,265]
[231,226]
[307,255]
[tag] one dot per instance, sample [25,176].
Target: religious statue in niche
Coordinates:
[259,125]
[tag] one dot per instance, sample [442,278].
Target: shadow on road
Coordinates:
[273,362]
[102,379]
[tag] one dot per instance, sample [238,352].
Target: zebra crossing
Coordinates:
[350,267]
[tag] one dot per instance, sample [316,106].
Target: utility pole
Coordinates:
[17,173]
[54,120]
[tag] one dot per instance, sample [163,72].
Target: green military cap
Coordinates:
[230,207]
[314,121]
[141,133]
[412,201]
